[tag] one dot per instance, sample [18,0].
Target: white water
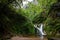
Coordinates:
[25,3]
[40,28]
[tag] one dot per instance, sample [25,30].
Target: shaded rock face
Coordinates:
[54,39]
[58,14]
[58,0]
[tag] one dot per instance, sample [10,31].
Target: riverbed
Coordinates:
[27,38]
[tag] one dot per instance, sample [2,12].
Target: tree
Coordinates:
[10,20]
[53,23]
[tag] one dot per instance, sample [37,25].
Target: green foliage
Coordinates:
[13,22]
[39,13]
[21,21]
[52,26]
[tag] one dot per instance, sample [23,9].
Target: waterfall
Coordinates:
[25,3]
[40,28]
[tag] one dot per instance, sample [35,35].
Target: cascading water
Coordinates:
[40,28]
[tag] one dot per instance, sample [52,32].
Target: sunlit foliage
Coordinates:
[17,20]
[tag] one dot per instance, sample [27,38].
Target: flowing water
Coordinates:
[40,30]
